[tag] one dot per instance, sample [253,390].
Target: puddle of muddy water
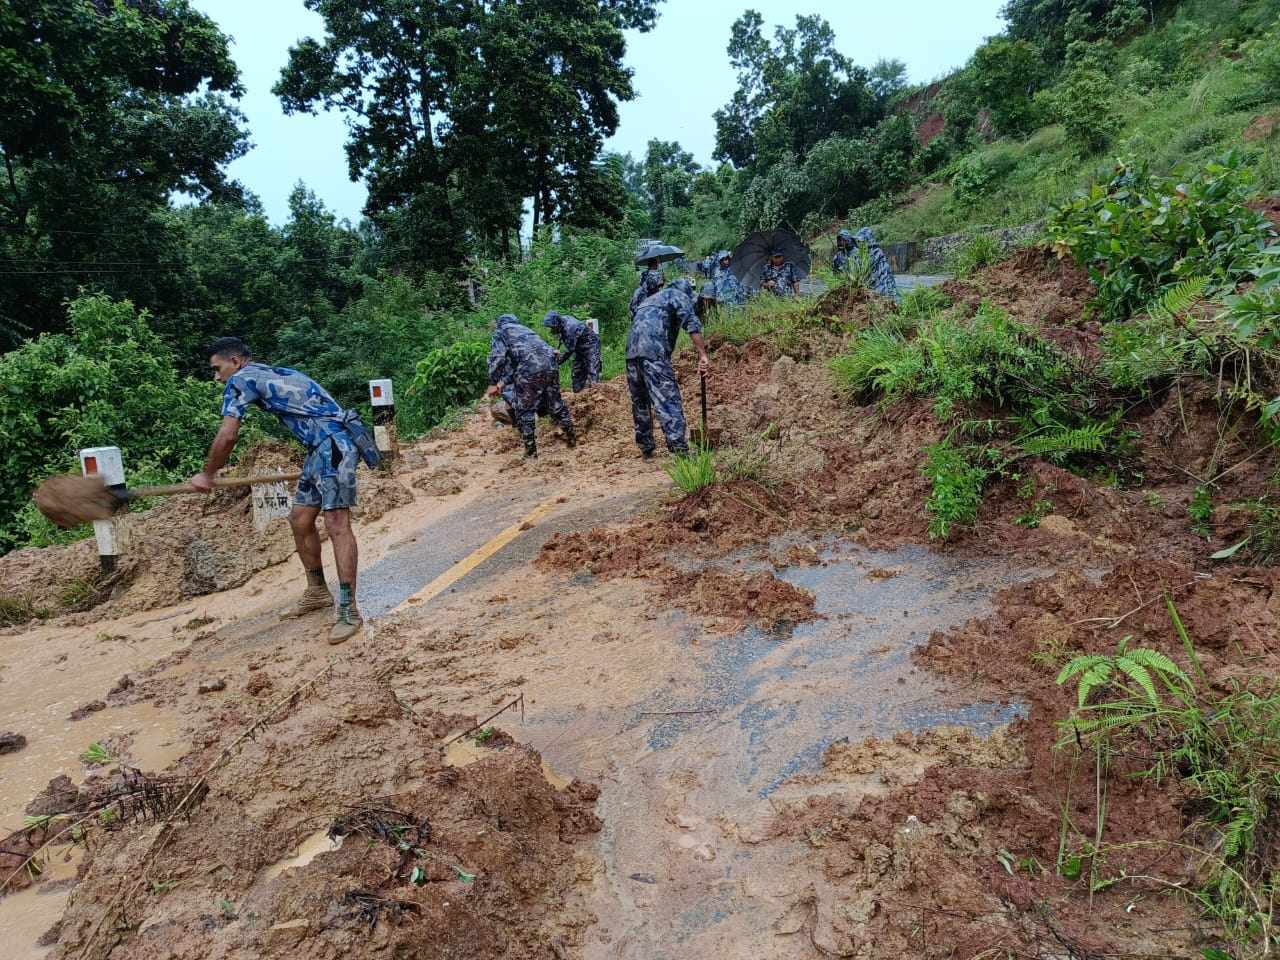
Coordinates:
[681,790]
[310,848]
[464,752]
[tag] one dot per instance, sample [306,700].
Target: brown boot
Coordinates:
[312,599]
[347,625]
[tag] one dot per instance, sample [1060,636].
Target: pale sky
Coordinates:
[682,75]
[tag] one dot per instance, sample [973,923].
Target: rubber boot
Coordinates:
[530,448]
[313,598]
[570,436]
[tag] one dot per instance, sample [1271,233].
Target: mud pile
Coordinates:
[183,547]
[343,827]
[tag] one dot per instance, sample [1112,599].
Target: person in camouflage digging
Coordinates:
[651,380]
[523,368]
[328,481]
[579,343]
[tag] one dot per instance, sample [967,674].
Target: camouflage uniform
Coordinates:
[882,273]
[328,476]
[727,291]
[650,284]
[526,366]
[785,277]
[651,380]
[581,343]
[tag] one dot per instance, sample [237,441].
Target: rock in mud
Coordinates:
[93,707]
[212,685]
[12,742]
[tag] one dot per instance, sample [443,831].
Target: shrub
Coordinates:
[109,381]
[923,303]
[977,175]
[957,488]
[1140,233]
[1084,104]
[447,377]
[1005,75]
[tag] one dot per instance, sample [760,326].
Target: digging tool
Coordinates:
[702,389]
[70,500]
[704,438]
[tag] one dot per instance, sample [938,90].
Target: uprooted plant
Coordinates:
[1224,751]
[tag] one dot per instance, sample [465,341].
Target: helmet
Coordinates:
[551,320]
[846,236]
[507,318]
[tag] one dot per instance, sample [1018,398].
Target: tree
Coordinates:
[791,94]
[669,172]
[1005,75]
[461,111]
[106,110]
[1053,24]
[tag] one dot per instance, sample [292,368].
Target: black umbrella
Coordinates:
[662,252]
[751,255]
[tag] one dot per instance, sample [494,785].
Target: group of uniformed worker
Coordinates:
[522,367]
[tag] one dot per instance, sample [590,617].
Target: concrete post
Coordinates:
[594,324]
[106,462]
[383,400]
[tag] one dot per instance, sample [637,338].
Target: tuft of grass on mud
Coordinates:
[694,472]
[15,610]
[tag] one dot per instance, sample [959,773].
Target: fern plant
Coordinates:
[1132,673]
[1058,443]
[1179,298]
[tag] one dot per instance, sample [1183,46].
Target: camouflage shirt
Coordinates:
[784,276]
[295,399]
[657,323]
[515,352]
[571,330]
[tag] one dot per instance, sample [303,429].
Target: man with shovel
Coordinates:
[328,481]
[579,343]
[651,380]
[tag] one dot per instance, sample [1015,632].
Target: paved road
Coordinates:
[811,286]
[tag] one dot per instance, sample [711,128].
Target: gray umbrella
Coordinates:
[662,252]
[751,255]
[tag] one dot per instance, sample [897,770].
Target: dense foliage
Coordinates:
[109,380]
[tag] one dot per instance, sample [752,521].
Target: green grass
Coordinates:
[1198,116]
[694,472]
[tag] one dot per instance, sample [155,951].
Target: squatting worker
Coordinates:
[328,481]
[881,279]
[579,342]
[780,277]
[523,368]
[651,380]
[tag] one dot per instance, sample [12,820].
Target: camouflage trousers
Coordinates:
[653,387]
[586,364]
[328,478]
[536,396]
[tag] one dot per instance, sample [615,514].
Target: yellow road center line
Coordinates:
[477,557]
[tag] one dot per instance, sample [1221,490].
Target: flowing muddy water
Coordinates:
[692,773]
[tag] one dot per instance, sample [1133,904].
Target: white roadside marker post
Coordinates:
[382,398]
[594,324]
[106,462]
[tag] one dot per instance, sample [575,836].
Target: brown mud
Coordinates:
[789,729]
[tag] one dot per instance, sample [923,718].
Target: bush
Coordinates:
[1140,233]
[977,175]
[110,381]
[1005,75]
[957,488]
[1084,104]
[981,251]
[447,377]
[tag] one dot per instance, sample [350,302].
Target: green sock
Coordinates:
[346,597]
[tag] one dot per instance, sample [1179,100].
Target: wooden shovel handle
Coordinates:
[220,482]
